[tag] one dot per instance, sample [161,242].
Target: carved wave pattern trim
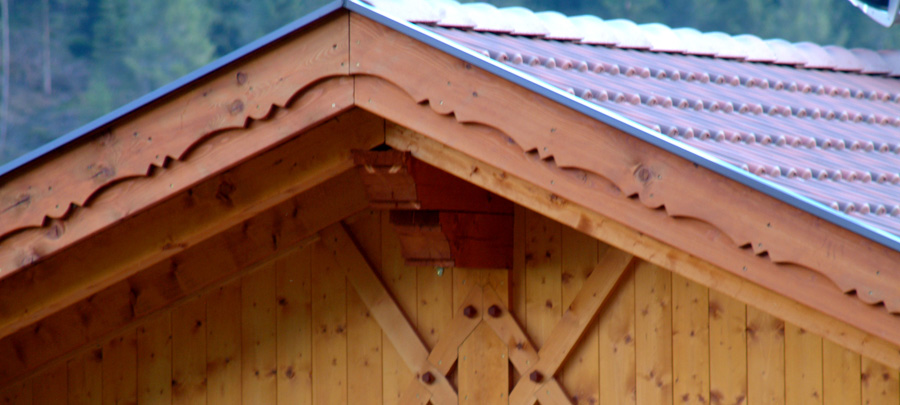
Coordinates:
[53,223]
[644,182]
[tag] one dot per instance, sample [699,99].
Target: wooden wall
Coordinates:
[291,331]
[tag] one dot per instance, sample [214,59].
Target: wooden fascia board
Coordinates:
[186,219]
[212,263]
[166,147]
[621,236]
[578,159]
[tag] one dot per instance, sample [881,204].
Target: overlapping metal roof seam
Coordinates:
[627,125]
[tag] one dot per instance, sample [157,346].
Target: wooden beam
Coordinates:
[445,351]
[640,244]
[178,223]
[585,161]
[318,103]
[214,262]
[421,240]
[246,90]
[389,316]
[574,321]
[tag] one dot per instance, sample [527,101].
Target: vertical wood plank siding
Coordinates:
[293,330]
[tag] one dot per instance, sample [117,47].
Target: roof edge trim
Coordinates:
[629,126]
[170,88]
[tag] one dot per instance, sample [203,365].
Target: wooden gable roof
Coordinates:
[192,166]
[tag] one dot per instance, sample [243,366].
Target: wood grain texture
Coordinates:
[543,276]
[579,374]
[653,331]
[120,369]
[294,323]
[584,307]
[727,349]
[400,281]
[632,168]
[840,318]
[259,364]
[51,387]
[214,206]
[329,320]
[154,361]
[17,394]
[435,303]
[802,366]
[364,341]
[483,368]
[522,353]
[840,375]
[765,358]
[690,341]
[444,354]
[880,385]
[386,311]
[223,344]
[616,345]
[134,195]
[189,352]
[517,279]
[188,271]
[246,90]
[85,380]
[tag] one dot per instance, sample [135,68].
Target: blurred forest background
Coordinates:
[71,61]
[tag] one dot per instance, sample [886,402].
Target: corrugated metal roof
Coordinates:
[817,127]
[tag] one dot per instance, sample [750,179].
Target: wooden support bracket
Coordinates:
[568,330]
[388,315]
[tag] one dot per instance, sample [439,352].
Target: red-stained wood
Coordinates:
[248,89]
[223,345]
[422,241]
[119,383]
[215,205]
[189,348]
[479,240]
[85,372]
[134,195]
[591,159]
[580,200]
[154,362]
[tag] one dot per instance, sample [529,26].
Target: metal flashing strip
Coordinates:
[167,89]
[629,126]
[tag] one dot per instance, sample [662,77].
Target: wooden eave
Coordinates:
[113,217]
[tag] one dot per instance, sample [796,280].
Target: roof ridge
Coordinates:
[653,37]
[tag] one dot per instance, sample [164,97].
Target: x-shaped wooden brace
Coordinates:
[431,368]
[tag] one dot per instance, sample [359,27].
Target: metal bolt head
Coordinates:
[428,378]
[469,311]
[536,376]
[494,311]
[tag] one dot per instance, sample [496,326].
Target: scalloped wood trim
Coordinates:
[560,137]
[313,105]
[189,218]
[146,140]
[873,332]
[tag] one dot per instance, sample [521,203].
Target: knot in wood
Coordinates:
[241,78]
[643,174]
[469,311]
[428,378]
[494,311]
[536,376]
[236,107]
